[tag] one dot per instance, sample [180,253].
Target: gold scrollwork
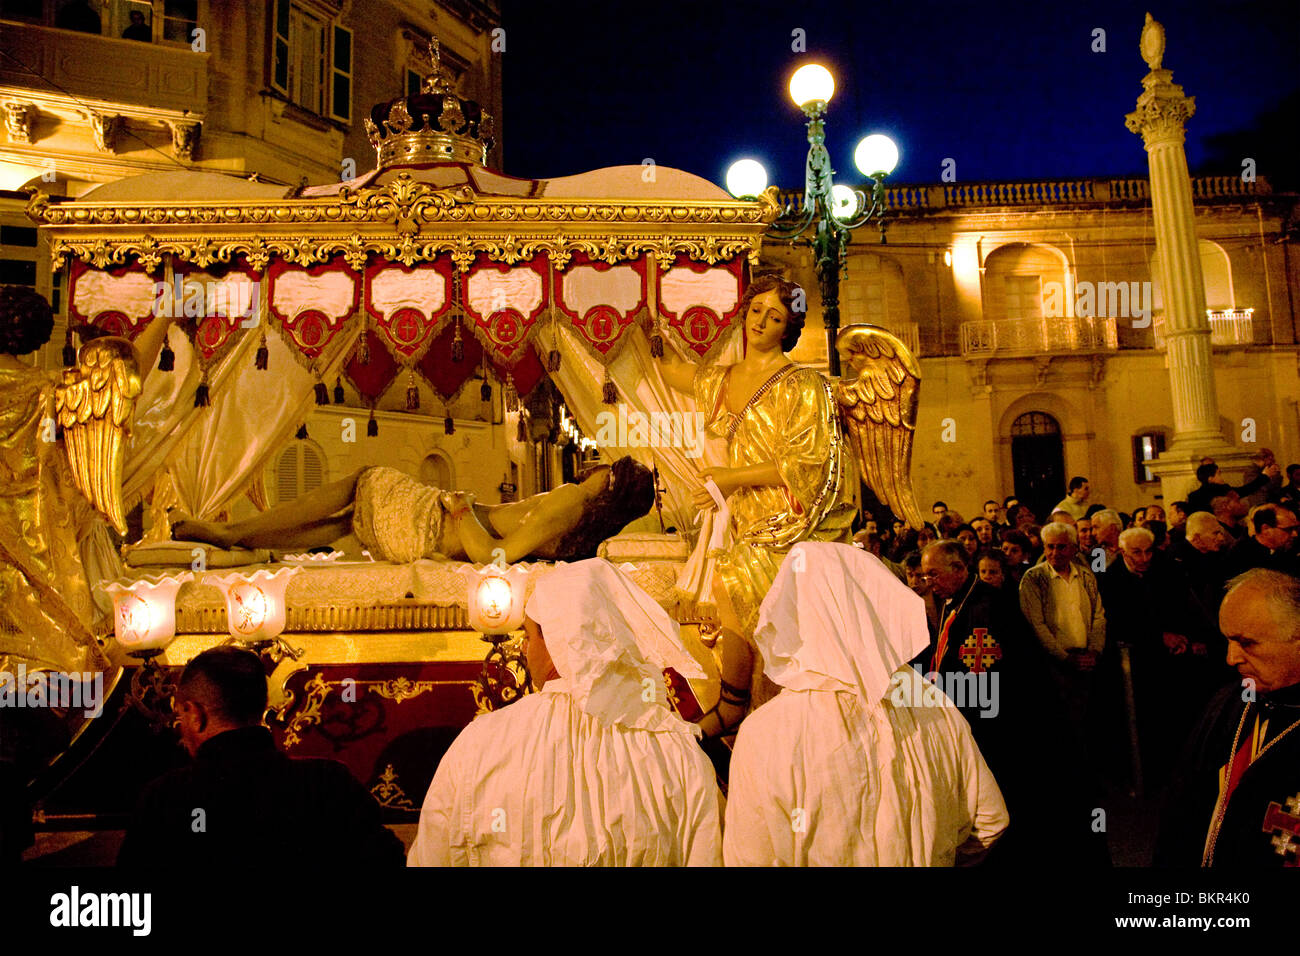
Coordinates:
[402,199]
[402,688]
[306,251]
[317,690]
[388,793]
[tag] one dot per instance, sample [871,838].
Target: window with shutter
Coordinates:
[300,468]
[341,85]
[286,475]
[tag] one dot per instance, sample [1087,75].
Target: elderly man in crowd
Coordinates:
[859,761]
[1146,611]
[1202,557]
[1230,509]
[593,770]
[1062,604]
[1234,802]
[1106,526]
[983,643]
[1270,544]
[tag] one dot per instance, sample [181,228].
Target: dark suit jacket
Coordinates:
[243,804]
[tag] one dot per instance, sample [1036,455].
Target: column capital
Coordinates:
[1162,109]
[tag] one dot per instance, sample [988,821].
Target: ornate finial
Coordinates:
[438,80]
[1152,43]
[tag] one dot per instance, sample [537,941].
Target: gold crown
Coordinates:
[449,128]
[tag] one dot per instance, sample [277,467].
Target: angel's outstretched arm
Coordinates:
[679,374]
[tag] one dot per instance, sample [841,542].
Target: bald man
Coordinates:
[1234,801]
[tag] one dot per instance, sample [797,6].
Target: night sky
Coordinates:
[1008,91]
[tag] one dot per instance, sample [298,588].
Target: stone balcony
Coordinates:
[1063,192]
[994,338]
[64,67]
[1229,328]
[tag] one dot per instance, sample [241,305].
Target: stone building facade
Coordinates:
[1036,311]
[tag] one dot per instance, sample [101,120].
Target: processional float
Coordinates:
[428,266]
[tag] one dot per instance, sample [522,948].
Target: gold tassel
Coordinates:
[511,395]
[609,391]
[457,346]
[521,433]
[656,345]
[553,360]
[363,354]
[263,357]
[412,392]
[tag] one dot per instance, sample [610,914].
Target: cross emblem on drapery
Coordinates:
[979,650]
[1286,841]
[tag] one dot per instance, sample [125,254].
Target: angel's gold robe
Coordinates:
[46,608]
[795,424]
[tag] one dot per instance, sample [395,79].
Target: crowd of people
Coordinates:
[1120,611]
[965,694]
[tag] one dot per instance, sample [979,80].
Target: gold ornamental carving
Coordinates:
[316,691]
[389,794]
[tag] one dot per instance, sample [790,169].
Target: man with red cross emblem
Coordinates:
[985,658]
[1236,799]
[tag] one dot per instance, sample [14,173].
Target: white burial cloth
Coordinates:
[859,760]
[595,770]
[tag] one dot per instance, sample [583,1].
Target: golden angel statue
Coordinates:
[54,489]
[791,475]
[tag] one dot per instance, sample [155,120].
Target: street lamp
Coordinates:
[834,210]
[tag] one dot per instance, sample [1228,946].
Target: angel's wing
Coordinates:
[94,406]
[878,398]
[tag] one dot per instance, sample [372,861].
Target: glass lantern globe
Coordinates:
[876,155]
[811,83]
[746,178]
[844,202]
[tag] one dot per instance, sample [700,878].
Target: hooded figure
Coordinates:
[595,769]
[859,760]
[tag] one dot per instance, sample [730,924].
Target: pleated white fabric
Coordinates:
[541,783]
[859,761]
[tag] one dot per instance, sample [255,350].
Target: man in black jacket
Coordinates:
[1270,544]
[985,658]
[242,803]
[1236,798]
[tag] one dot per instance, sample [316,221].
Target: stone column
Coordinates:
[1162,110]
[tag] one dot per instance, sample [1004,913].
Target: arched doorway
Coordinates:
[436,470]
[1038,461]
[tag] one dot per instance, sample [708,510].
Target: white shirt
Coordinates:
[1076,509]
[1070,612]
[819,779]
[541,783]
